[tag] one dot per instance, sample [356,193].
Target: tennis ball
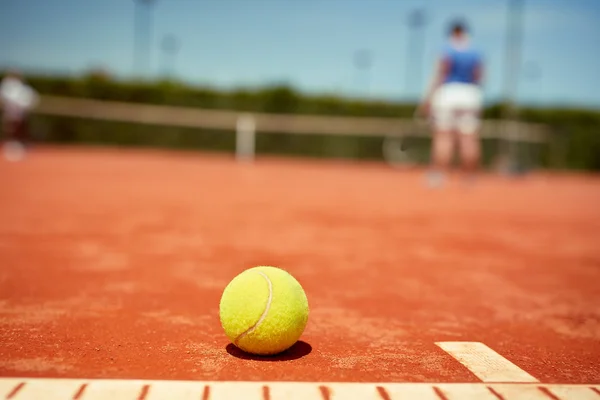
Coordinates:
[264,310]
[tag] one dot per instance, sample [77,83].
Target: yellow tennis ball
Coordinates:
[264,310]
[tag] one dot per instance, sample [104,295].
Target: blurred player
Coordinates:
[454,102]
[17,99]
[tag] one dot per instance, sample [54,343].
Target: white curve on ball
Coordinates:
[264,314]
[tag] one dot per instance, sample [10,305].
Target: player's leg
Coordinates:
[443,122]
[470,141]
[13,148]
[468,123]
[442,150]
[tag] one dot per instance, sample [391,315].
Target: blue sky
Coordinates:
[308,43]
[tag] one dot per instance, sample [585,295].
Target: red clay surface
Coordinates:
[112,264]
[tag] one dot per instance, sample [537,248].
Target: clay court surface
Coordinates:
[112,264]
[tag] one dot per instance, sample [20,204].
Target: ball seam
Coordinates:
[264,314]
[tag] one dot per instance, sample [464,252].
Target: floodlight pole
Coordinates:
[533,73]
[143,34]
[514,41]
[513,54]
[416,46]
[170,47]
[363,59]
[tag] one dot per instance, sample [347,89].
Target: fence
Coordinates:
[247,126]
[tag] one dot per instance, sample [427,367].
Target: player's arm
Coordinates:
[439,76]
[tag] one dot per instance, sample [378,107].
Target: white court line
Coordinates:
[533,392]
[485,363]
[125,389]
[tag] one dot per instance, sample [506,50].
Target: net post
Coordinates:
[245,137]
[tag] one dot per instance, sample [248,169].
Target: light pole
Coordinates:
[363,59]
[532,72]
[514,39]
[416,46]
[170,47]
[142,52]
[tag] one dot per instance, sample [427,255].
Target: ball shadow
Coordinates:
[298,350]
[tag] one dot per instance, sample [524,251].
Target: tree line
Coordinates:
[575,142]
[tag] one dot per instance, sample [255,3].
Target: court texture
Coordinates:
[113,261]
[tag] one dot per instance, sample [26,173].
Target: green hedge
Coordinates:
[575,143]
[276,99]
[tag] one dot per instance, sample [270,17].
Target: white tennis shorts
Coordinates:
[457,106]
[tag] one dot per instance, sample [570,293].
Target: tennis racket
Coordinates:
[401,150]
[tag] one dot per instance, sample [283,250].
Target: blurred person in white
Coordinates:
[454,102]
[17,99]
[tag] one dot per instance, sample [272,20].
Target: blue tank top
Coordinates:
[462,64]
